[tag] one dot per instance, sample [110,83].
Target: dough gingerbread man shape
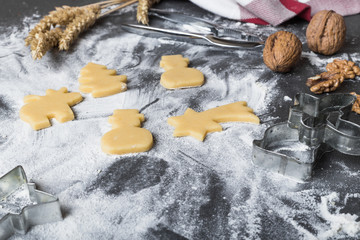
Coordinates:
[199,124]
[100,81]
[177,74]
[126,135]
[55,104]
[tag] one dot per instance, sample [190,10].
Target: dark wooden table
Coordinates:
[181,189]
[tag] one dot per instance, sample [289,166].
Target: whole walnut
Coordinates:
[326,32]
[282,50]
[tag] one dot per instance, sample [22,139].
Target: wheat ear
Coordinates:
[78,25]
[143,9]
[43,42]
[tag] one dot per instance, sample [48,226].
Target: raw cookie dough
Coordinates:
[39,109]
[100,81]
[197,124]
[177,74]
[126,135]
[173,61]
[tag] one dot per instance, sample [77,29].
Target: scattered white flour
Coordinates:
[287,99]
[320,61]
[351,195]
[66,159]
[339,222]
[247,88]
[314,59]
[355,57]
[294,146]
[347,170]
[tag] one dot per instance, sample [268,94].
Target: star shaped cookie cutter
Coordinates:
[315,125]
[43,207]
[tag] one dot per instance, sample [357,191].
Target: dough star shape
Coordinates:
[55,104]
[126,135]
[100,81]
[177,74]
[198,125]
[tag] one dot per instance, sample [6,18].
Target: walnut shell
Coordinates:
[326,32]
[282,50]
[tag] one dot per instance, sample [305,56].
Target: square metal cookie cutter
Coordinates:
[44,208]
[315,125]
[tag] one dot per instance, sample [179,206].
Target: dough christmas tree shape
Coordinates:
[177,74]
[100,81]
[55,104]
[126,135]
[198,124]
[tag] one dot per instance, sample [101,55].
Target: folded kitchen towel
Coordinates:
[275,12]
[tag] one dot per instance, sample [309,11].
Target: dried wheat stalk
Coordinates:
[49,33]
[43,42]
[80,23]
[61,16]
[143,9]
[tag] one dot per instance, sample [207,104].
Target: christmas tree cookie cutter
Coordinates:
[42,208]
[315,125]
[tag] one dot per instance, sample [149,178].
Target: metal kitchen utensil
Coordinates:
[40,208]
[198,25]
[198,29]
[315,125]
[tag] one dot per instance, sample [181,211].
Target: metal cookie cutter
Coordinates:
[315,125]
[15,192]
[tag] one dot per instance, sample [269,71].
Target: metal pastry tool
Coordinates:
[22,206]
[199,25]
[315,125]
[192,28]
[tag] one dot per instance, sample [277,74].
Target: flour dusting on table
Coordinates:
[191,188]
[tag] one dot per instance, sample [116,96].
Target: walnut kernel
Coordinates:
[356,105]
[337,72]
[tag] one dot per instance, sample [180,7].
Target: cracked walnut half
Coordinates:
[337,72]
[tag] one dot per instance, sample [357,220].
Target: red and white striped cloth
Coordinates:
[275,12]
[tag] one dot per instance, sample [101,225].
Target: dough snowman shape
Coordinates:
[126,135]
[55,104]
[100,81]
[199,124]
[177,74]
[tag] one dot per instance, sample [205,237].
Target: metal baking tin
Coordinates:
[45,208]
[315,125]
